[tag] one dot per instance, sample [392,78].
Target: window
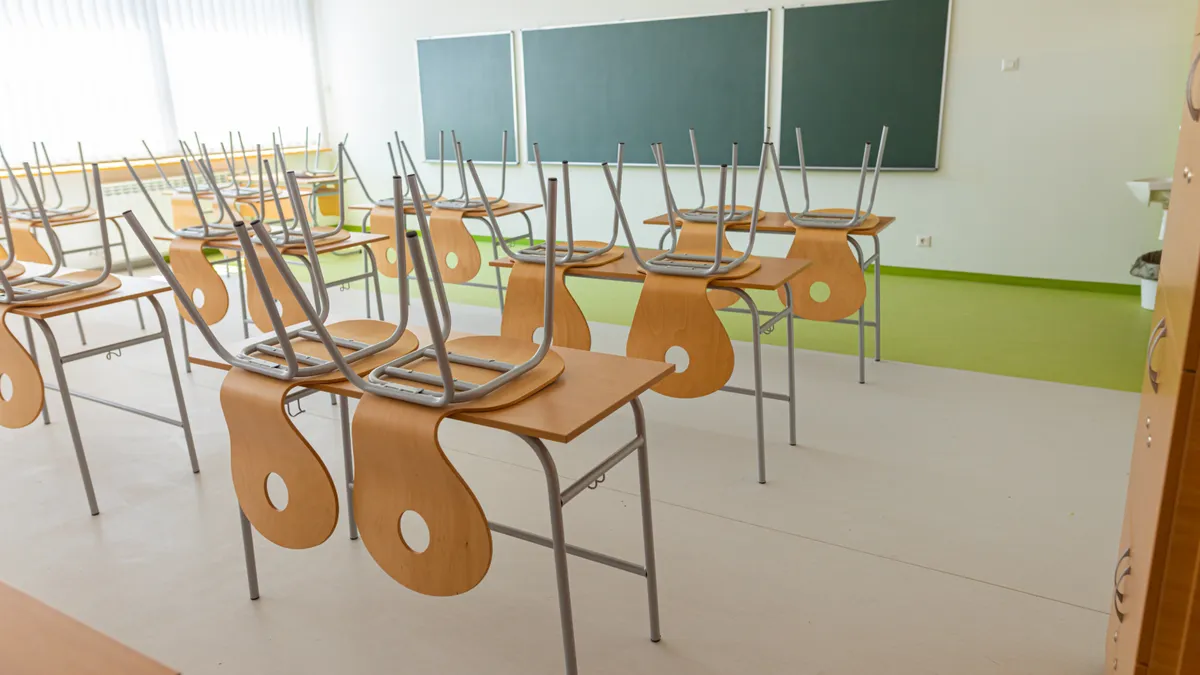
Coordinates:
[110,73]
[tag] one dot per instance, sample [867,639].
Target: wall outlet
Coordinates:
[1009,65]
[924,241]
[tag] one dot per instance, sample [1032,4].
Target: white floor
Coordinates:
[930,521]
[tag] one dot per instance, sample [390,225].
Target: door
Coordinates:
[1167,390]
[1181,246]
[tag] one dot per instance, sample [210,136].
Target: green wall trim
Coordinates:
[977,277]
[1005,280]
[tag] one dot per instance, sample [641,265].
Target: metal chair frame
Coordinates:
[278,343]
[13,292]
[464,202]
[686,264]
[832,221]
[386,380]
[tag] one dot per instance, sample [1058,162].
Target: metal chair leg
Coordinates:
[242,296]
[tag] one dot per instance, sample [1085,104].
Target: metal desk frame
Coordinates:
[861,321]
[58,360]
[758,329]
[557,496]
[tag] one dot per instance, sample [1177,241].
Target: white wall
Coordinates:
[1033,162]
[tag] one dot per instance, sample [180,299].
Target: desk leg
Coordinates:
[559,545]
[878,301]
[366,282]
[348,457]
[69,409]
[374,270]
[755,331]
[79,326]
[248,549]
[528,226]
[499,280]
[187,354]
[34,358]
[862,318]
[791,354]
[639,421]
[129,269]
[184,422]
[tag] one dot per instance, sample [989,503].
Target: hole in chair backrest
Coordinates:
[414,531]
[391,255]
[198,297]
[678,356]
[819,291]
[279,307]
[538,334]
[6,387]
[452,260]
[277,492]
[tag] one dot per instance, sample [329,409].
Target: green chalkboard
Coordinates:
[467,86]
[588,88]
[849,69]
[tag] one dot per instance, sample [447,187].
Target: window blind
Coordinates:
[110,73]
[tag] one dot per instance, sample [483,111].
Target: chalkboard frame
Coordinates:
[937,161]
[514,134]
[769,22]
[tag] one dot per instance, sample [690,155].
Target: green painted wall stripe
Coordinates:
[977,277]
[1004,280]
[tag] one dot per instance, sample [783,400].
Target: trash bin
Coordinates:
[1146,269]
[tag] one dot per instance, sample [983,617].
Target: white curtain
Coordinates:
[238,65]
[111,73]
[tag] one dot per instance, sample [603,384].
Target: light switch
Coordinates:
[1007,65]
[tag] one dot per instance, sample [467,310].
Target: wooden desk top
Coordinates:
[512,208]
[355,239]
[36,639]
[776,222]
[131,288]
[593,386]
[772,275]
